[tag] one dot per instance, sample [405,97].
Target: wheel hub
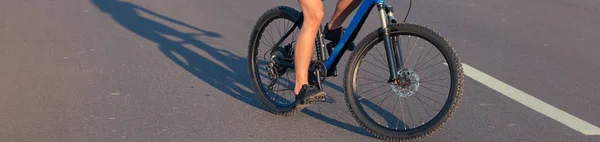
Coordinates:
[407,84]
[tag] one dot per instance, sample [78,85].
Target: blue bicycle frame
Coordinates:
[352,30]
[386,15]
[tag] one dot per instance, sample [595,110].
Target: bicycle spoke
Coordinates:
[295,35]
[434,80]
[380,94]
[372,89]
[274,94]
[434,91]
[284,93]
[423,102]
[260,50]
[417,68]
[433,74]
[407,43]
[376,65]
[373,74]
[284,27]
[279,30]
[370,79]
[403,117]
[414,102]
[294,77]
[271,37]
[274,37]
[378,52]
[409,113]
[287,25]
[274,40]
[293,87]
[385,98]
[270,45]
[394,108]
[410,53]
[430,98]
[384,64]
[435,84]
[368,83]
[430,66]
[420,55]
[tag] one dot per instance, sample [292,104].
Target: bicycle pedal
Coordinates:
[308,102]
[321,99]
[315,100]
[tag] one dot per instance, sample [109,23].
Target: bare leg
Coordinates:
[313,14]
[342,10]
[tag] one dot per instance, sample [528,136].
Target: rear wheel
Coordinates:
[273,83]
[421,101]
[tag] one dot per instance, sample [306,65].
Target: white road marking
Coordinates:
[532,102]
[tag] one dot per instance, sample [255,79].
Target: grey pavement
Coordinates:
[175,70]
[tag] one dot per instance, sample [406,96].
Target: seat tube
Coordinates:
[389,52]
[320,49]
[320,46]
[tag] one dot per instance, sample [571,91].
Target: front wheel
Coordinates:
[425,95]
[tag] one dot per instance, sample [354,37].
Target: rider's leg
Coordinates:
[313,14]
[342,10]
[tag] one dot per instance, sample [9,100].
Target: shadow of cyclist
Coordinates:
[217,76]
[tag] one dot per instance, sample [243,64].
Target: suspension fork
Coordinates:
[395,40]
[392,52]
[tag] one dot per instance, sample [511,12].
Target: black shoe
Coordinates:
[308,95]
[335,36]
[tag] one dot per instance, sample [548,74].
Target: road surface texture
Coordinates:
[176,70]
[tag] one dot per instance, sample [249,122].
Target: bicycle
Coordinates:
[403,81]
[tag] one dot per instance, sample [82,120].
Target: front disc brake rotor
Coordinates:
[407,85]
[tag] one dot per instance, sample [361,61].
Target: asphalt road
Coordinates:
[150,70]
